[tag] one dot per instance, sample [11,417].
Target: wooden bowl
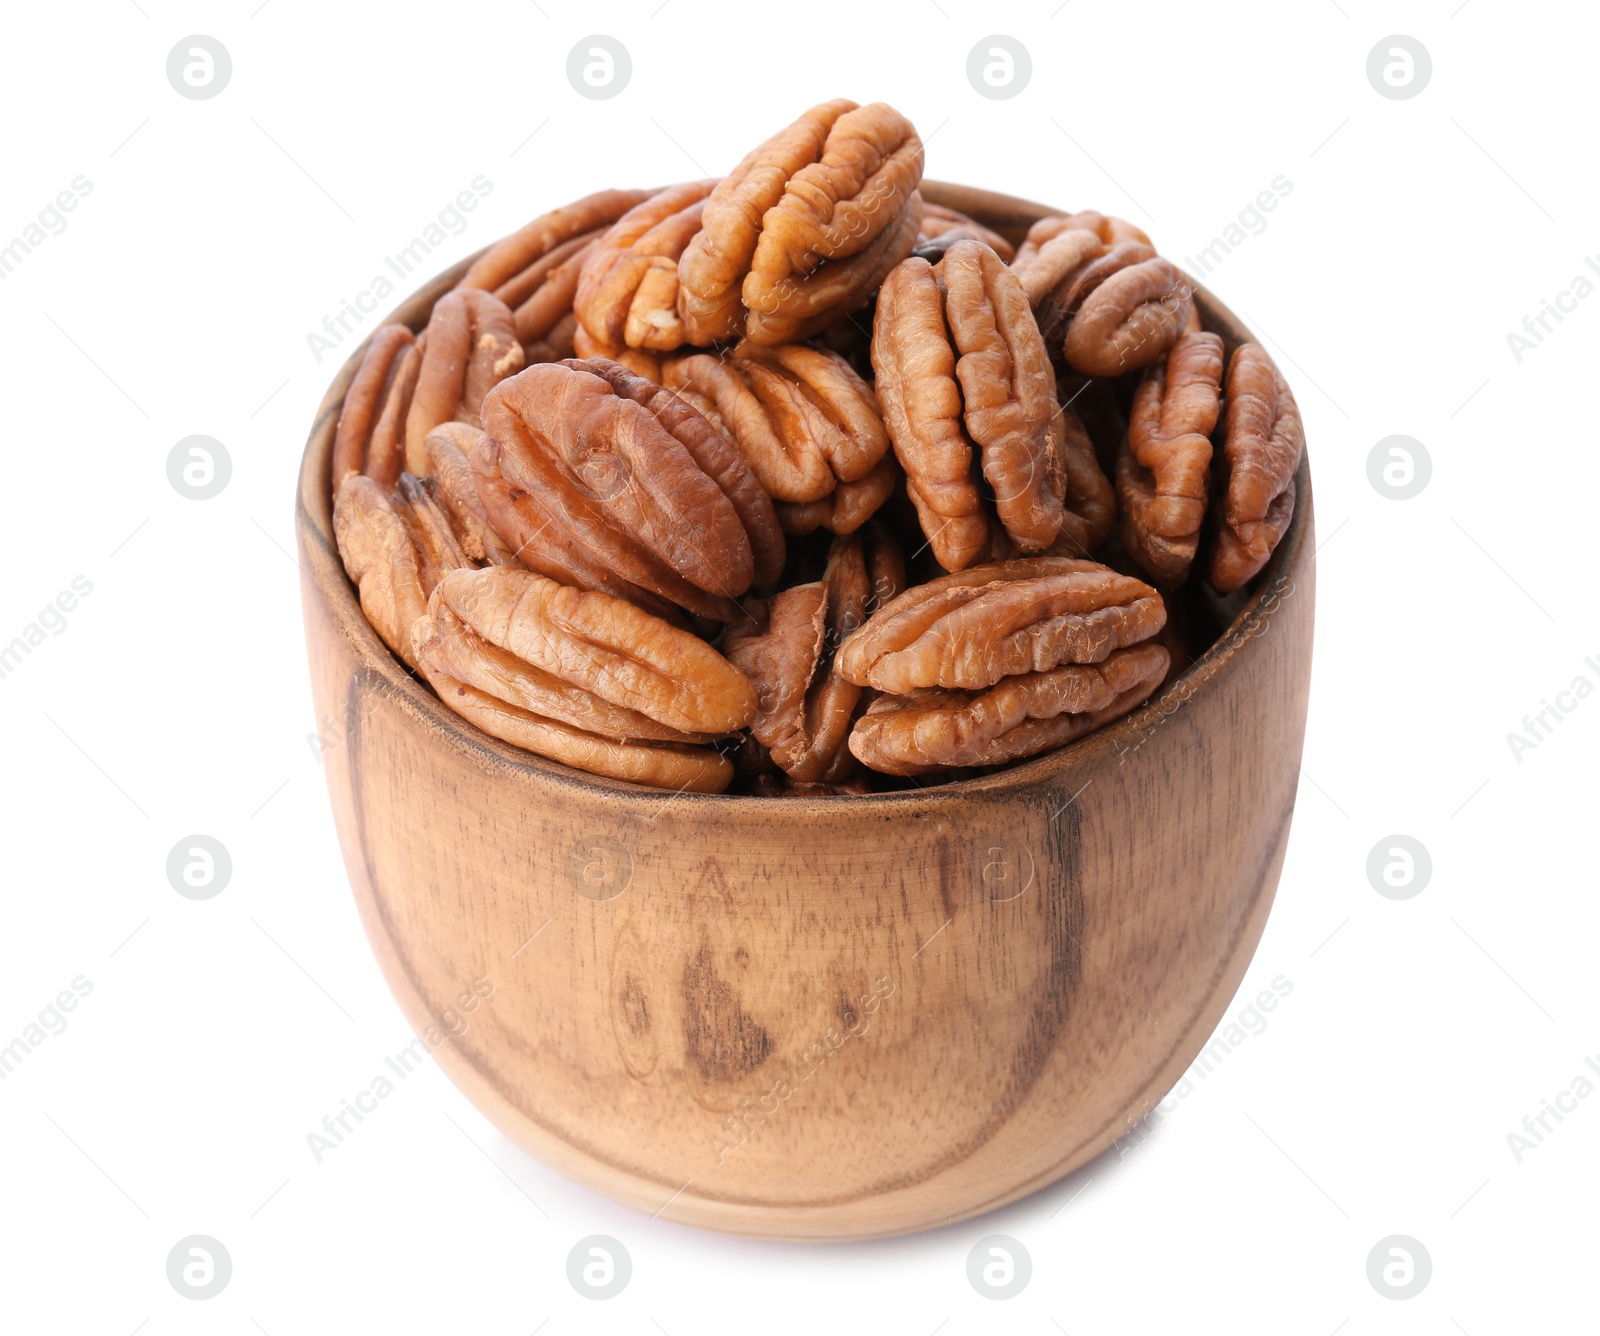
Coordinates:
[816,1018]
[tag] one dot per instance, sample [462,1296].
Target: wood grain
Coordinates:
[817,1018]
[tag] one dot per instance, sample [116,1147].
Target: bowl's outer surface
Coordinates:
[819,1018]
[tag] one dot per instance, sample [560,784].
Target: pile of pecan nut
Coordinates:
[796,482]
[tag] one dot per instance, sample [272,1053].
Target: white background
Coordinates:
[218,234]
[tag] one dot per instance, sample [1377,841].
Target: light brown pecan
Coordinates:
[805,227]
[961,367]
[972,628]
[1164,466]
[1109,230]
[1262,441]
[628,288]
[449,447]
[799,416]
[470,345]
[847,507]
[942,227]
[446,644]
[604,645]
[370,437]
[661,765]
[1020,716]
[1043,266]
[516,266]
[396,546]
[806,707]
[632,485]
[1121,309]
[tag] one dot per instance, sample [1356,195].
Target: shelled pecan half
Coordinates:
[805,227]
[469,346]
[626,483]
[962,369]
[628,287]
[1164,466]
[1262,441]
[396,546]
[972,628]
[800,417]
[1020,716]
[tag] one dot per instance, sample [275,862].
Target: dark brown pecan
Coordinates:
[628,288]
[1164,467]
[972,628]
[633,486]
[514,267]
[806,707]
[805,227]
[799,416]
[1262,441]
[470,345]
[1020,716]
[960,364]
[358,444]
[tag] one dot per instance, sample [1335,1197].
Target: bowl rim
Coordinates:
[322,568]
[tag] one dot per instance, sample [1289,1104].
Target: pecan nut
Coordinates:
[1021,716]
[370,437]
[469,347]
[800,417]
[806,707]
[1122,307]
[846,508]
[582,678]
[396,546]
[961,367]
[634,486]
[1164,466]
[605,646]
[1262,442]
[805,227]
[516,266]
[974,627]
[628,289]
